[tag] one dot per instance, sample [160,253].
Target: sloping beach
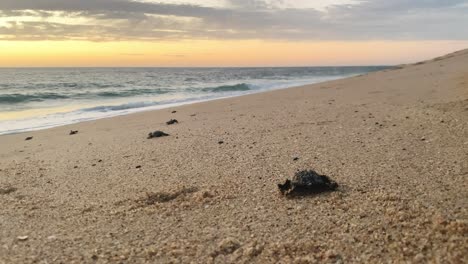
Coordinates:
[396,141]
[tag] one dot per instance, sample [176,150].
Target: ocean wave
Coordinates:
[77,85]
[17,98]
[144,104]
[109,108]
[23,98]
[132,92]
[68,85]
[98,93]
[228,88]
[60,85]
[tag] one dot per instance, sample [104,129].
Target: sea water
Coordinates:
[38,98]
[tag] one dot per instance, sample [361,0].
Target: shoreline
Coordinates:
[394,141]
[160,107]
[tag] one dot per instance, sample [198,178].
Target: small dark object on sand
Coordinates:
[172,121]
[220,142]
[174,112]
[138,167]
[28,138]
[73,132]
[157,134]
[7,190]
[306,182]
[296,159]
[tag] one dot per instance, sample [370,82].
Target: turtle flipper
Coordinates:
[286,187]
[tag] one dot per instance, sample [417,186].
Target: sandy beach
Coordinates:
[396,142]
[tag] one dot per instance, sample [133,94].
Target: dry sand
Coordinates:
[396,141]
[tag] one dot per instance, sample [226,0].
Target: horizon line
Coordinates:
[197,67]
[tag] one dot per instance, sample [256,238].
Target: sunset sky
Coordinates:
[228,32]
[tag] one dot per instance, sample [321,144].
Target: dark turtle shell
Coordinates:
[157,134]
[307,181]
[172,121]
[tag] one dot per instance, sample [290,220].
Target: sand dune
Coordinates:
[396,142]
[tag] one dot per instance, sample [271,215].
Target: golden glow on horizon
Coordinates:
[217,53]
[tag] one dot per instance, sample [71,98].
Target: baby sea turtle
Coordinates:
[172,121]
[73,132]
[157,134]
[28,138]
[307,181]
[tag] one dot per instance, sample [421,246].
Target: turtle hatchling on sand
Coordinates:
[157,134]
[307,181]
[172,121]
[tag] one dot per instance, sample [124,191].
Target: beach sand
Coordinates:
[396,141]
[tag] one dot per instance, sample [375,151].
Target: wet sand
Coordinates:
[395,141]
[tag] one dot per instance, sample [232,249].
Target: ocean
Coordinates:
[39,98]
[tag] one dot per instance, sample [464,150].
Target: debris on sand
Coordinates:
[220,142]
[7,190]
[157,134]
[23,238]
[307,181]
[173,112]
[73,132]
[28,138]
[172,121]
[227,246]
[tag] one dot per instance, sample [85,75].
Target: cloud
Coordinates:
[108,20]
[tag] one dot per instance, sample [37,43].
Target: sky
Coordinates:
[191,33]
